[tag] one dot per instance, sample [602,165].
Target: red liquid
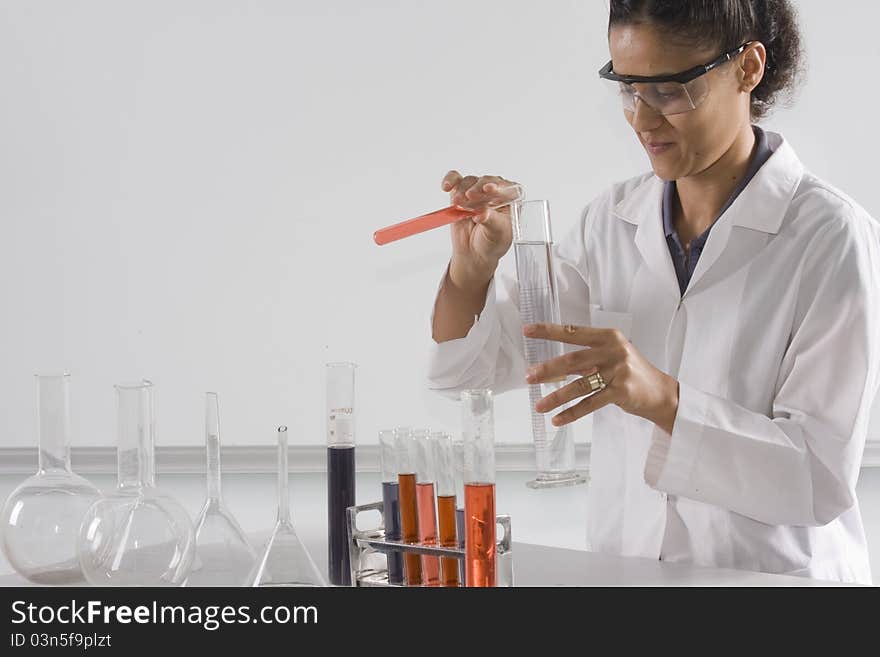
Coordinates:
[448,538]
[420,224]
[409,527]
[428,532]
[479,535]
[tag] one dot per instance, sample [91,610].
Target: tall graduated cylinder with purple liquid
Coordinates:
[340,468]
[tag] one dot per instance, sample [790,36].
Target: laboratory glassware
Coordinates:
[391,502]
[458,455]
[478,434]
[425,478]
[284,560]
[136,536]
[444,461]
[340,468]
[409,510]
[41,516]
[539,303]
[224,557]
[438,218]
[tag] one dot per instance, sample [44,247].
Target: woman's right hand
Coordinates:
[478,242]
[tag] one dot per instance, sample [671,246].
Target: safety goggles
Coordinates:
[668,94]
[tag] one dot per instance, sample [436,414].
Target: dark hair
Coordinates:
[725,25]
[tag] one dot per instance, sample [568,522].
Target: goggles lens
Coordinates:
[665,98]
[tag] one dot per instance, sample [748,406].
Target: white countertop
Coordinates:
[541,565]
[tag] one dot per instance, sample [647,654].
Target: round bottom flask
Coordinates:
[42,515]
[136,536]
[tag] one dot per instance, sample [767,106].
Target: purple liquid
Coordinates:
[340,496]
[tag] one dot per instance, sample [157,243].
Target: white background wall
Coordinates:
[188,188]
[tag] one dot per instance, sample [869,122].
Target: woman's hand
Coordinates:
[632,382]
[479,241]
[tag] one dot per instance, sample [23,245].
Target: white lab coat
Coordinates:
[776,347]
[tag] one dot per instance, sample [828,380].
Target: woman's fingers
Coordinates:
[585,407]
[578,388]
[584,336]
[575,362]
[459,192]
[479,193]
[450,180]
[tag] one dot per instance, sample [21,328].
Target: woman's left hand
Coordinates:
[632,382]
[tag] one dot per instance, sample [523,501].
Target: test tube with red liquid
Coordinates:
[478,436]
[444,217]
[425,478]
[444,460]
[409,510]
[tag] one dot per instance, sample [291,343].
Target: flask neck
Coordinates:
[135,452]
[283,482]
[212,447]
[53,421]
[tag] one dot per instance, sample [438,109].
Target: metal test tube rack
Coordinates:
[367,548]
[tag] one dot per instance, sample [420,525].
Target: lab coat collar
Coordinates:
[760,207]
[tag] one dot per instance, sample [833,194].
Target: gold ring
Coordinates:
[571,329]
[596,382]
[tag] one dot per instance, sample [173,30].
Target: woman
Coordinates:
[739,303]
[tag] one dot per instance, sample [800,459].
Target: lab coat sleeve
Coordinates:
[800,466]
[491,354]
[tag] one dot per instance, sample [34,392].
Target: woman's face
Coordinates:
[692,141]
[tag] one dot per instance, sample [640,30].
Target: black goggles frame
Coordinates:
[607,71]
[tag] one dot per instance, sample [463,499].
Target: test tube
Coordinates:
[391,502]
[478,433]
[444,458]
[340,468]
[425,478]
[538,303]
[409,513]
[458,454]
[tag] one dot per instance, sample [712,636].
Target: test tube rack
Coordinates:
[368,548]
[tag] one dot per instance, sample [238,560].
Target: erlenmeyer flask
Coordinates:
[41,517]
[223,555]
[136,536]
[285,560]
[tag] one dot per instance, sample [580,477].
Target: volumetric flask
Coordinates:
[285,560]
[391,502]
[224,557]
[539,303]
[137,536]
[340,468]
[41,517]
[478,433]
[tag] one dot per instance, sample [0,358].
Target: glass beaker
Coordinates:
[444,462]
[340,468]
[539,303]
[224,557]
[136,536]
[391,502]
[41,516]
[284,560]
[427,510]
[478,434]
